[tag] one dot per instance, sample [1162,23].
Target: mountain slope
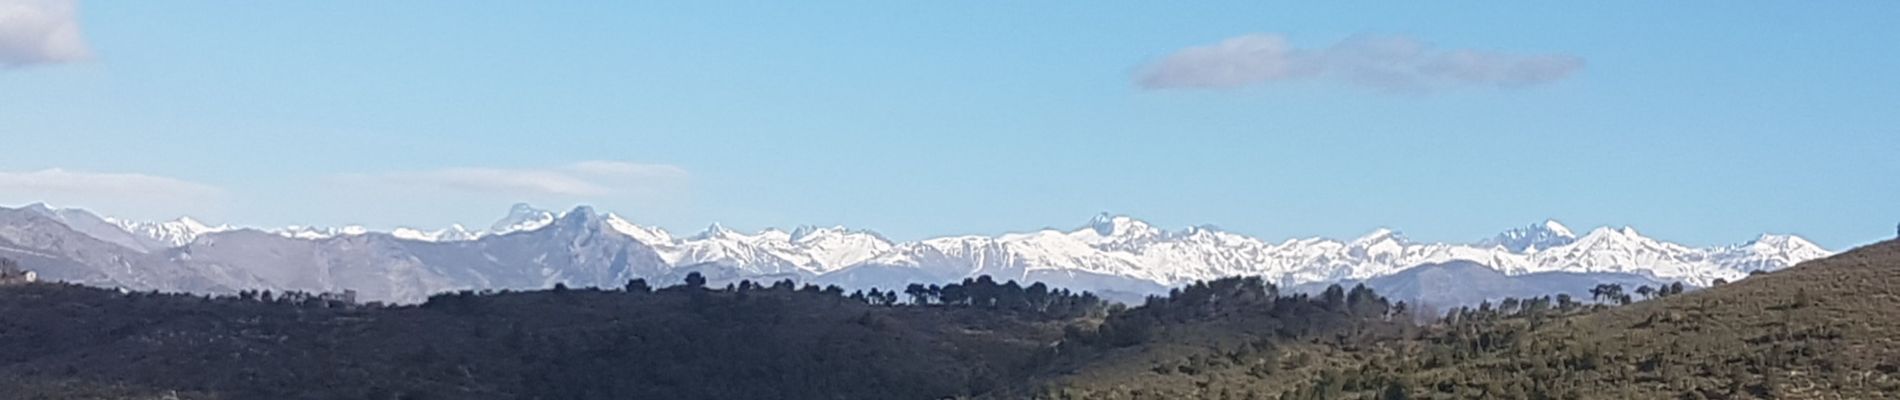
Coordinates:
[1117,256]
[579,249]
[1456,283]
[1826,329]
[46,245]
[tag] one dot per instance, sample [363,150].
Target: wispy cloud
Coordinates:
[60,182]
[131,194]
[1391,63]
[40,32]
[582,179]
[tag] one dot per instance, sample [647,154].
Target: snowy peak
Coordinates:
[649,236]
[1772,251]
[320,233]
[1790,242]
[1380,236]
[1608,239]
[579,216]
[1544,235]
[40,208]
[1110,250]
[454,233]
[522,217]
[136,235]
[176,232]
[716,231]
[1557,229]
[1108,225]
[1116,230]
[804,233]
[1605,233]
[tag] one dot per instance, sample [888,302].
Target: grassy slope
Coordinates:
[1825,329]
[1822,329]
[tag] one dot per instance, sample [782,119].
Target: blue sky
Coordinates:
[1700,122]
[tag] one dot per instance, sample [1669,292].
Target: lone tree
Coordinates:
[695,280]
[1611,291]
[1646,291]
[638,285]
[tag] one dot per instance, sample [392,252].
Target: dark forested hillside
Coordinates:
[1826,328]
[674,343]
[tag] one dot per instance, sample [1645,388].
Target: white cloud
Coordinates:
[586,179]
[1393,63]
[130,193]
[40,32]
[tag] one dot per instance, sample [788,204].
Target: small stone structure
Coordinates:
[12,274]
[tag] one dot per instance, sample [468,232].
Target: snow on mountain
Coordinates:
[650,236]
[522,217]
[836,247]
[319,233]
[453,233]
[101,228]
[1109,252]
[1117,231]
[1537,236]
[1767,253]
[806,250]
[1129,248]
[136,235]
[173,233]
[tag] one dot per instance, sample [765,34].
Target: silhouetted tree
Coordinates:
[695,280]
[954,294]
[918,294]
[1334,297]
[1611,291]
[638,285]
[1038,296]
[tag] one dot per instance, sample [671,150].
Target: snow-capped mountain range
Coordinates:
[1109,253]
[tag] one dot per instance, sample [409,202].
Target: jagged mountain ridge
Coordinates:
[1108,254]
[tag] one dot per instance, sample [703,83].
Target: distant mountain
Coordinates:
[535,248]
[1529,239]
[1456,283]
[137,235]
